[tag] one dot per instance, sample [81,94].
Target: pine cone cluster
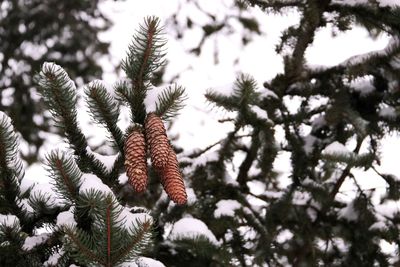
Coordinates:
[162,155]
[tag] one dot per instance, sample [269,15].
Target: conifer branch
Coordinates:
[145,56]
[83,249]
[104,110]
[305,36]
[9,148]
[59,93]
[65,174]
[138,242]
[345,172]
[170,101]
[11,170]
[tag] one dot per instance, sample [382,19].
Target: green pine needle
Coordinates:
[104,110]
[9,149]
[244,93]
[170,101]
[109,242]
[103,107]
[146,52]
[145,56]
[59,94]
[65,174]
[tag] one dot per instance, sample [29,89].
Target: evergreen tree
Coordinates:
[88,216]
[342,114]
[35,31]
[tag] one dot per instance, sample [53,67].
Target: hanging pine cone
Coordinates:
[135,160]
[171,179]
[157,141]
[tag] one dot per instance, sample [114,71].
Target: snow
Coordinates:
[149,262]
[284,236]
[152,96]
[27,182]
[33,241]
[301,198]
[128,218]
[262,114]
[66,218]
[108,161]
[378,226]
[225,90]
[142,261]
[191,196]
[348,212]
[53,259]
[357,59]
[388,209]
[391,3]
[388,112]
[382,3]
[98,82]
[56,69]
[256,187]
[191,228]
[350,2]
[122,178]
[211,155]
[49,195]
[92,182]
[226,207]
[336,148]
[26,206]
[266,93]
[9,220]
[363,85]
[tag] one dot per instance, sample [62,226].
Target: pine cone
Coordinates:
[135,160]
[157,140]
[171,179]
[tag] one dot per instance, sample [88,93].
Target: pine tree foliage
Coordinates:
[104,110]
[170,101]
[84,216]
[342,114]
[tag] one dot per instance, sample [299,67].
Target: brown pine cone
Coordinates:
[135,160]
[157,141]
[171,179]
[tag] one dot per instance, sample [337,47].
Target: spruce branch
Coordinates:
[83,244]
[145,56]
[66,175]
[104,110]
[243,94]
[59,94]
[9,148]
[170,101]
[220,100]
[141,233]
[11,169]
[109,242]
